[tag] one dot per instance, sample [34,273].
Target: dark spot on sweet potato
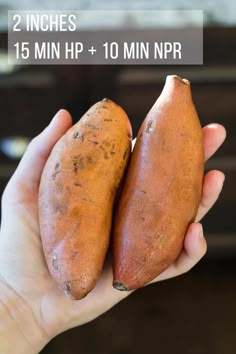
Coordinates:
[106,148]
[150,126]
[68,286]
[92,126]
[104,107]
[74,254]
[60,208]
[77,184]
[55,174]
[108,120]
[78,135]
[75,212]
[89,159]
[94,142]
[78,163]
[88,200]
[57,170]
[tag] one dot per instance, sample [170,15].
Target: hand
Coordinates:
[29,293]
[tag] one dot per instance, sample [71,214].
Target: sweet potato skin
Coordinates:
[76,196]
[162,189]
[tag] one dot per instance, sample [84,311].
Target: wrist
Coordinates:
[19,331]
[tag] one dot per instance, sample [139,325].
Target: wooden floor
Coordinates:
[192,314]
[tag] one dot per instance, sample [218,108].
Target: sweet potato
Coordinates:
[76,196]
[162,189]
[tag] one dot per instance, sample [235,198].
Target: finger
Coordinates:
[212,186]
[29,171]
[194,249]
[213,136]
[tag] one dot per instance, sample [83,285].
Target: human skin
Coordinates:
[32,308]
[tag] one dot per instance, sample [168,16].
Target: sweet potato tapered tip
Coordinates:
[120,286]
[173,77]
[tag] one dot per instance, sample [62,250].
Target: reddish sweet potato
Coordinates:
[76,196]
[162,189]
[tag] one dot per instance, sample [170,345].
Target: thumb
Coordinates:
[28,173]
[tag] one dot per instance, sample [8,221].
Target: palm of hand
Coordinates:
[22,261]
[24,269]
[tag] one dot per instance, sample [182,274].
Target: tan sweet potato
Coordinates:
[76,196]
[162,189]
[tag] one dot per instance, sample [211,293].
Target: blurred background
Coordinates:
[195,313]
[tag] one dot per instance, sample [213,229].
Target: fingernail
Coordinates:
[200,231]
[223,180]
[213,125]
